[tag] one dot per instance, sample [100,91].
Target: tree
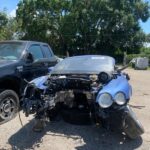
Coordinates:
[8,27]
[148,38]
[3,22]
[84,27]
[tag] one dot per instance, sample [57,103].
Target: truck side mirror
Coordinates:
[29,57]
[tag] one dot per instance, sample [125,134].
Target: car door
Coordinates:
[38,67]
[51,59]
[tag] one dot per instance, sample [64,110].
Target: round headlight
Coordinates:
[105,100]
[120,98]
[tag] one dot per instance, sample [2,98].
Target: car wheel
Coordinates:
[9,105]
[132,126]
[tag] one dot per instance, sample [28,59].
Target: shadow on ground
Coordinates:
[94,137]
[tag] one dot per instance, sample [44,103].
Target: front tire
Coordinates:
[9,105]
[132,127]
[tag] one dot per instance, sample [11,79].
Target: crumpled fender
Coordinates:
[120,84]
[39,82]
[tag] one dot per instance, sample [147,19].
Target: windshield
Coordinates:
[11,51]
[88,64]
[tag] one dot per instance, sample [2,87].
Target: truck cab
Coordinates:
[20,60]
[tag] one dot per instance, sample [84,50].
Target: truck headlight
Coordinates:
[120,98]
[105,100]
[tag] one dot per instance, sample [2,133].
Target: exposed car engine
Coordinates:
[72,92]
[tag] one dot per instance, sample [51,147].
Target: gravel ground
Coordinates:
[62,136]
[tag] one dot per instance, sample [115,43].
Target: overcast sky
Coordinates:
[11,6]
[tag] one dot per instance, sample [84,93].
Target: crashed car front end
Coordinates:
[84,89]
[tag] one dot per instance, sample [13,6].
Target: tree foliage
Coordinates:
[148,38]
[3,22]
[85,26]
[8,27]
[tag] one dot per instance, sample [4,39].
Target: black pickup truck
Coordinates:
[20,60]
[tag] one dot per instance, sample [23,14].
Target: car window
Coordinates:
[11,50]
[47,51]
[36,51]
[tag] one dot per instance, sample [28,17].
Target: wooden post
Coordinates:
[125,58]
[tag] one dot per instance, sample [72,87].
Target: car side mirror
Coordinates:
[29,57]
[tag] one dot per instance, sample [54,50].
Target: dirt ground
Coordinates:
[62,136]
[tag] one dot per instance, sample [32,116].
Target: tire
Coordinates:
[132,127]
[9,105]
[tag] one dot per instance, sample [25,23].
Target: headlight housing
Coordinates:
[120,98]
[105,100]
[103,77]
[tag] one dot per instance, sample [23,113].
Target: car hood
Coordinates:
[6,62]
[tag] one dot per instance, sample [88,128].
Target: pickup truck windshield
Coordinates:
[11,51]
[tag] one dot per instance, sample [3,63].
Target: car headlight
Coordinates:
[105,100]
[120,98]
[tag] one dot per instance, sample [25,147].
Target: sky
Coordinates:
[11,6]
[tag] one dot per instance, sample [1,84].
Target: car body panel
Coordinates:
[120,84]
[39,82]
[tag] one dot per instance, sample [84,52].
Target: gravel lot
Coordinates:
[62,136]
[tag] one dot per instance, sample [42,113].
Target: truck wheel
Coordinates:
[9,105]
[132,127]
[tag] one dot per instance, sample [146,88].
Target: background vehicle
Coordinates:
[84,90]
[140,63]
[20,60]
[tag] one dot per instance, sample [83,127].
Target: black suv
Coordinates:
[20,60]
